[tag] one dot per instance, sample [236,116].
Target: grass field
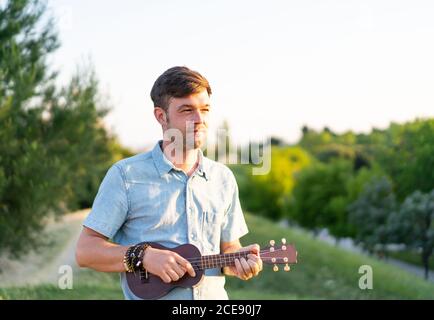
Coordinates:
[323,272]
[412,257]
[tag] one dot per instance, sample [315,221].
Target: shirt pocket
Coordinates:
[211,229]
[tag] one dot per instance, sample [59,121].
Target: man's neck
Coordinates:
[188,162]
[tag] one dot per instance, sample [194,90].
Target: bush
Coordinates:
[53,149]
[268,195]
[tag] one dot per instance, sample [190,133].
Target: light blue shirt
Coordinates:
[146,198]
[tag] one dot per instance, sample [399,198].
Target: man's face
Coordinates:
[189,116]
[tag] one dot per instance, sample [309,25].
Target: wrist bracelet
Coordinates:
[140,256]
[127,262]
[133,258]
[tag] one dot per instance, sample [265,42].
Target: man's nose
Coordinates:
[198,117]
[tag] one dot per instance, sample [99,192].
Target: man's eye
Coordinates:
[186,110]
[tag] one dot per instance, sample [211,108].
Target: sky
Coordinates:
[273,66]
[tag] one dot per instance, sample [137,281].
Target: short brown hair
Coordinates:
[177,82]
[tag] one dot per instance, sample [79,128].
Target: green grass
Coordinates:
[412,258]
[323,272]
[87,284]
[35,263]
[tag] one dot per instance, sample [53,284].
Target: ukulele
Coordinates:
[145,285]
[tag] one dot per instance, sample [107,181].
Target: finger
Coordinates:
[240,270]
[190,270]
[185,264]
[255,249]
[180,260]
[233,270]
[180,271]
[254,266]
[173,275]
[253,257]
[257,260]
[247,269]
[165,278]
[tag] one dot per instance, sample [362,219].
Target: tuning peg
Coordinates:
[275,268]
[272,242]
[283,241]
[286,267]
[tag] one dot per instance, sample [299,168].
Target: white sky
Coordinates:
[273,65]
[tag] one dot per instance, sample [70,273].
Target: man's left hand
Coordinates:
[247,269]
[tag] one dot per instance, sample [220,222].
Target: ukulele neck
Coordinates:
[221,260]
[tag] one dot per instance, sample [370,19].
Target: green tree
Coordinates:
[75,136]
[25,43]
[311,139]
[269,194]
[405,151]
[413,225]
[412,162]
[370,213]
[53,147]
[320,197]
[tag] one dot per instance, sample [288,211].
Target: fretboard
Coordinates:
[221,260]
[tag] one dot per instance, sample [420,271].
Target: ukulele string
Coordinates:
[224,260]
[261,251]
[193,260]
[199,263]
[200,266]
[221,260]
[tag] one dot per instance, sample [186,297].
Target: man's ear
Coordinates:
[160,115]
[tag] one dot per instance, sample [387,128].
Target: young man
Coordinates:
[171,195]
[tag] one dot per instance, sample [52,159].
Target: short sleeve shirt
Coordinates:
[146,198]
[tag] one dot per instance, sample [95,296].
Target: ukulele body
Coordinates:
[153,287]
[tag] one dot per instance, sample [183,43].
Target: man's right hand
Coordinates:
[166,264]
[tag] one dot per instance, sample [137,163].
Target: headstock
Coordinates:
[279,254]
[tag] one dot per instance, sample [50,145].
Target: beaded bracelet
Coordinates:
[127,261]
[133,258]
[138,263]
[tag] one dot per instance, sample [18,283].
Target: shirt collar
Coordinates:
[202,170]
[164,165]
